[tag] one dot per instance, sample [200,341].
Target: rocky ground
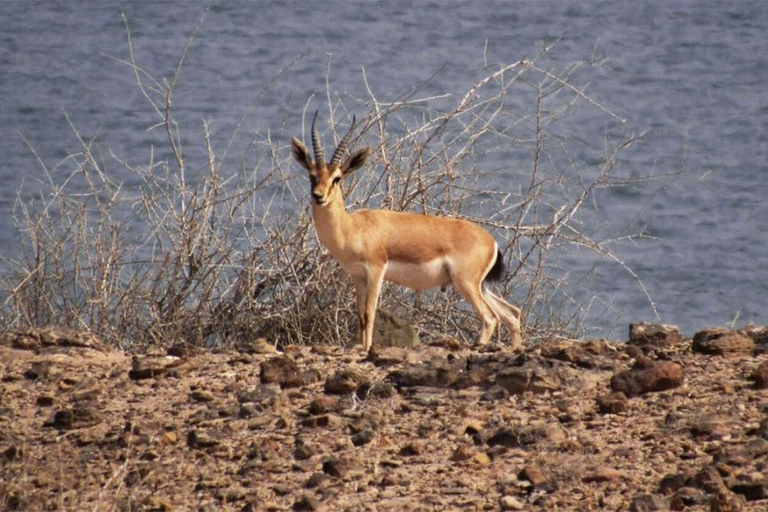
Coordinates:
[656,423]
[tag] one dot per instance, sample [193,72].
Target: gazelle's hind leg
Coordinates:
[509,316]
[472,293]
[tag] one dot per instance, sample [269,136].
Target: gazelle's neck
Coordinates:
[331,223]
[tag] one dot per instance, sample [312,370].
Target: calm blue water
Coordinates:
[694,72]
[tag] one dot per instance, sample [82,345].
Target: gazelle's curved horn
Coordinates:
[336,159]
[317,144]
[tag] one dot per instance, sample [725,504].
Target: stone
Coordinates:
[522,436]
[80,416]
[434,373]
[752,491]
[727,501]
[649,503]
[197,438]
[306,503]
[688,497]
[672,482]
[150,367]
[709,480]
[762,430]
[760,376]
[390,356]
[612,403]
[281,370]
[571,351]
[201,395]
[258,346]
[340,466]
[647,376]
[722,342]
[603,474]
[392,331]
[322,420]
[647,335]
[515,380]
[363,437]
[511,503]
[344,381]
[494,393]
[323,404]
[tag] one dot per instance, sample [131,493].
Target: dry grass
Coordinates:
[217,254]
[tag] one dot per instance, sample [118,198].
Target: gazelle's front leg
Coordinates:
[368,289]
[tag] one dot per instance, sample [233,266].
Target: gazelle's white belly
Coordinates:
[418,276]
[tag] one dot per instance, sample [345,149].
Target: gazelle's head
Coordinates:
[325,178]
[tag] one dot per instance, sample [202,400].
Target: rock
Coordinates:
[515,380]
[672,482]
[412,449]
[197,438]
[603,474]
[341,466]
[281,370]
[258,346]
[762,430]
[306,504]
[511,503]
[760,376]
[494,393]
[201,395]
[752,491]
[722,342]
[391,331]
[435,373]
[759,334]
[40,337]
[647,335]
[344,382]
[688,497]
[522,436]
[150,367]
[649,503]
[80,416]
[323,420]
[647,376]
[709,480]
[323,404]
[727,501]
[381,390]
[264,397]
[390,356]
[363,437]
[741,455]
[612,403]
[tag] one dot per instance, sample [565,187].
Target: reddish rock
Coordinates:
[612,403]
[344,382]
[647,376]
[281,370]
[646,334]
[722,342]
[649,503]
[760,376]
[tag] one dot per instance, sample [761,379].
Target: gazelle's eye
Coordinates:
[336,180]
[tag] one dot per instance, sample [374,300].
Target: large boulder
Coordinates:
[645,335]
[647,376]
[722,342]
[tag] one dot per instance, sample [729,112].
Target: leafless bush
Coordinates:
[215,256]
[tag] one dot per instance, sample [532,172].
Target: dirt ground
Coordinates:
[653,424]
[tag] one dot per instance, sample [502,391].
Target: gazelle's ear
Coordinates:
[355,160]
[301,154]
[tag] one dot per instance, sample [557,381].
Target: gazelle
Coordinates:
[412,250]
